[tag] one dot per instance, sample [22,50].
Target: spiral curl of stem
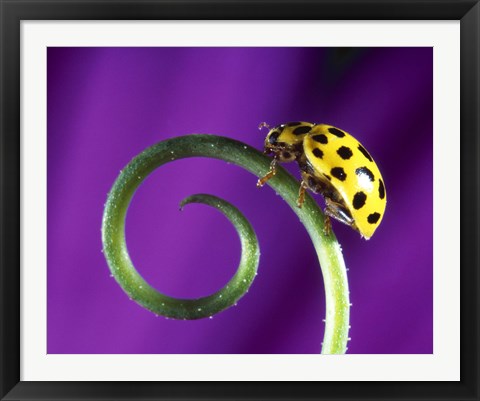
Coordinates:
[235,152]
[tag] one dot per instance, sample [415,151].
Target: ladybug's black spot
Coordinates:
[365,171]
[336,132]
[359,200]
[338,173]
[381,189]
[345,153]
[318,153]
[373,218]
[365,153]
[273,137]
[320,138]
[328,177]
[294,124]
[304,129]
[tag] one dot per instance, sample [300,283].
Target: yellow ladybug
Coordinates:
[335,165]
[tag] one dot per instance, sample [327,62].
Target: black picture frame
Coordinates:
[14,11]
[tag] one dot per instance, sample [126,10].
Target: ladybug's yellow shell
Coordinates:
[341,159]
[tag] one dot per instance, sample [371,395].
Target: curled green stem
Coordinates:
[140,291]
[327,247]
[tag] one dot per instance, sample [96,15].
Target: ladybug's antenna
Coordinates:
[263,125]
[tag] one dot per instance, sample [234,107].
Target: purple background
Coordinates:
[106,105]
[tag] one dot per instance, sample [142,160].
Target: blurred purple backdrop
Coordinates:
[106,105]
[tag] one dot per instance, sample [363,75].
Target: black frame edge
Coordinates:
[469,203]
[240,9]
[9,200]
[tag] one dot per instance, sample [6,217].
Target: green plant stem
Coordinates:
[327,247]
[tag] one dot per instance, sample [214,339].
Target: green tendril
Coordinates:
[327,248]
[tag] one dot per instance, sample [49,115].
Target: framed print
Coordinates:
[323,157]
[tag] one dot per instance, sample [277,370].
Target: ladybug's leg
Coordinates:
[309,182]
[273,170]
[301,193]
[327,228]
[338,212]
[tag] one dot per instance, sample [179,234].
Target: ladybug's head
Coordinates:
[283,144]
